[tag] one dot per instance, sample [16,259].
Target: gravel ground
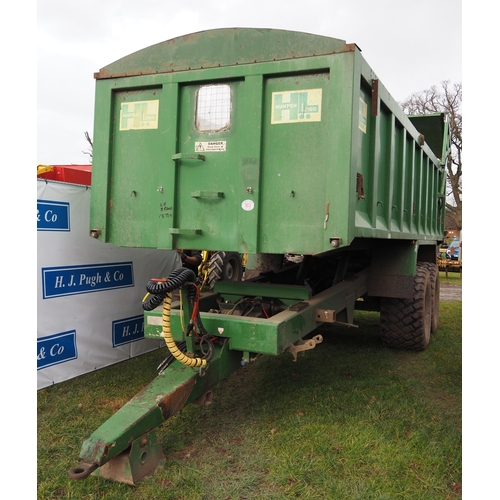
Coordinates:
[451,292]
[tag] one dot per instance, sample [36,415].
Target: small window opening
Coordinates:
[213,108]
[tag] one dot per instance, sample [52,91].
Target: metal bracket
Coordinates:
[325,315]
[304,345]
[204,399]
[207,194]
[374,97]
[177,230]
[188,156]
[135,463]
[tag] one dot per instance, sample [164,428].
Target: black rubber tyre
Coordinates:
[436,295]
[406,323]
[224,266]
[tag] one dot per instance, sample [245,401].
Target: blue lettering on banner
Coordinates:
[52,215]
[55,349]
[73,280]
[128,330]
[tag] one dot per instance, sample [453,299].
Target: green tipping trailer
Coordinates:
[274,144]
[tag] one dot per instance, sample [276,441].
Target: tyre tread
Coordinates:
[403,322]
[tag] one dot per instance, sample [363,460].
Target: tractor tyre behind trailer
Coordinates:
[406,323]
[226,266]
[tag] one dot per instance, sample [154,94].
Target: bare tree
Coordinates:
[447,99]
[89,151]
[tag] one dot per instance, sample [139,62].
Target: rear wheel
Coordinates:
[225,266]
[406,323]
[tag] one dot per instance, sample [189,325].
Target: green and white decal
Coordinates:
[139,115]
[296,106]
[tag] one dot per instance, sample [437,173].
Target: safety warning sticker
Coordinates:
[296,106]
[209,146]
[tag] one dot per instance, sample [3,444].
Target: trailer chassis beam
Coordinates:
[125,448]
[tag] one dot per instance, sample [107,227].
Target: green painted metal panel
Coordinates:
[401,176]
[209,188]
[301,150]
[433,128]
[219,48]
[136,161]
[302,163]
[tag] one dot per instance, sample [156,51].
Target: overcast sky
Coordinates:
[411,45]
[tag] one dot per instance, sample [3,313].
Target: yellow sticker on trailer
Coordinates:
[139,115]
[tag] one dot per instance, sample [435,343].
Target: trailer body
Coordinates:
[268,143]
[301,131]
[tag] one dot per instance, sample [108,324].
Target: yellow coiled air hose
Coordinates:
[172,346]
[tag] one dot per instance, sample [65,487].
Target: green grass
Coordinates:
[349,420]
[452,279]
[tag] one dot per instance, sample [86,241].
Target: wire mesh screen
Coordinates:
[213,108]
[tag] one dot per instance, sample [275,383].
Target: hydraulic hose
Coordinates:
[172,346]
[157,290]
[161,291]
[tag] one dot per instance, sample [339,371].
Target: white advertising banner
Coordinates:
[89,299]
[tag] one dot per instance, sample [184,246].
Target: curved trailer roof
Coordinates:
[222,47]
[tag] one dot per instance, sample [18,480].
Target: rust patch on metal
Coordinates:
[360,189]
[350,47]
[97,453]
[375,97]
[174,400]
